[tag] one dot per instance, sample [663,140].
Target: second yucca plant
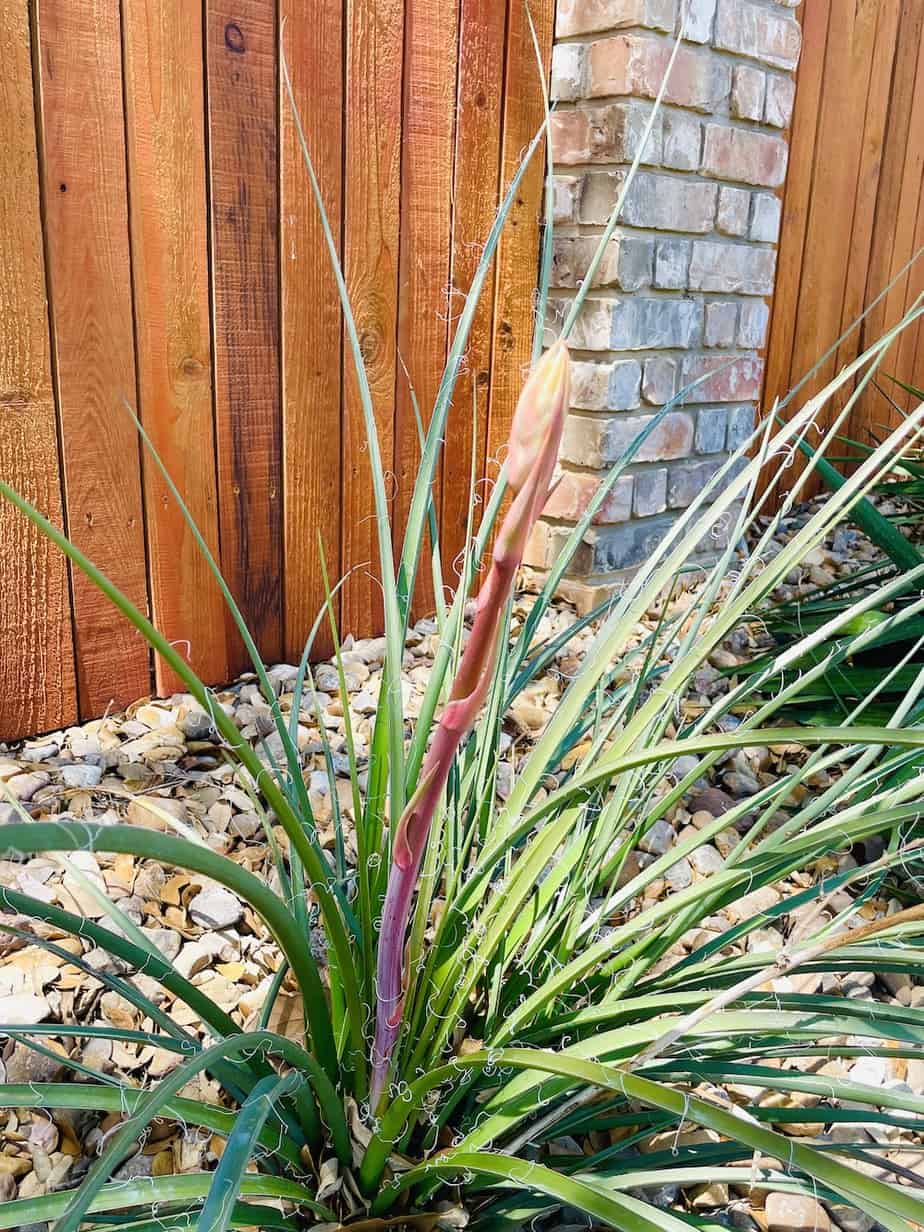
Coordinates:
[495,982]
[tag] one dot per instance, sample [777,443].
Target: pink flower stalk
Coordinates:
[535,436]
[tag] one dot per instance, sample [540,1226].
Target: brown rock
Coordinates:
[796,1213]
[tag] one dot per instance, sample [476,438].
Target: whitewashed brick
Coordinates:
[733,210]
[659,380]
[781,95]
[700,15]
[727,268]
[592,16]
[752,324]
[566,193]
[758,31]
[670,203]
[649,324]
[765,222]
[682,140]
[624,391]
[747,96]
[568,65]
[721,324]
[650,492]
[711,426]
[590,385]
[672,264]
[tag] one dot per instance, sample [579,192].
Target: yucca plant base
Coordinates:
[172,774]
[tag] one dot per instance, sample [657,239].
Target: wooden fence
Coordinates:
[159,244]
[853,214]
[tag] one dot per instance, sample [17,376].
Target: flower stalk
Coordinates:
[535,436]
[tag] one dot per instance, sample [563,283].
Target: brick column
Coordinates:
[686,279]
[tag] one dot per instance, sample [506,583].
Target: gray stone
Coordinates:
[660,380]
[687,482]
[672,264]
[642,324]
[81,775]
[621,547]
[215,907]
[650,492]
[625,385]
[679,875]
[711,424]
[740,425]
[659,838]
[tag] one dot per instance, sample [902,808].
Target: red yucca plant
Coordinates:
[535,436]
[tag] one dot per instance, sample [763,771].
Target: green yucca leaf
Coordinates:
[125,1099]
[248,1128]
[159,1191]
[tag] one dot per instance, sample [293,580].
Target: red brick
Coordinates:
[758,31]
[739,381]
[743,154]
[592,16]
[636,65]
[576,489]
[603,134]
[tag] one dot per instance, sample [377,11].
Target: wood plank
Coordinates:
[839,144]
[428,133]
[894,219]
[86,213]
[482,31]
[311,317]
[514,319]
[38,688]
[884,40]
[169,221]
[907,239]
[241,57]
[796,202]
[374,49]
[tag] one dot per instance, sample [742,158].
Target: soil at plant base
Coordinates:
[160,765]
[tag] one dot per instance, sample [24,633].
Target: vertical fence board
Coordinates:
[169,219]
[853,213]
[156,189]
[37,684]
[311,317]
[834,194]
[83,153]
[514,320]
[907,239]
[482,28]
[371,238]
[428,130]
[796,202]
[241,59]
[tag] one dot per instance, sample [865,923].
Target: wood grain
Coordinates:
[796,202]
[169,223]
[517,267]
[374,49]
[241,56]
[86,212]
[37,682]
[834,194]
[482,29]
[430,76]
[311,317]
